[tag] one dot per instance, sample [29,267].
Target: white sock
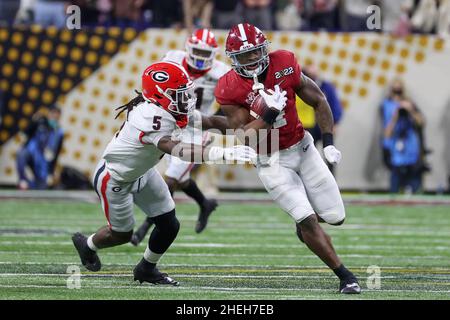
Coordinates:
[91,244]
[151,256]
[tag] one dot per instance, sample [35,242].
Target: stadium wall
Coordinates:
[94,72]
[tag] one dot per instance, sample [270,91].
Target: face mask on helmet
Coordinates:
[200,58]
[182,101]
[250,61]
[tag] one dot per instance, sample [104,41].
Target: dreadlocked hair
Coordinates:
[130,105]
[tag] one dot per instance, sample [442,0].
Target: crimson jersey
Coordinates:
[284,70]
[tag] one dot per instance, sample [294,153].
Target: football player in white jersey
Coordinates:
[204,70]
[126,175]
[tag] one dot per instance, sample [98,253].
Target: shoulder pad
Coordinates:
[218,69]
[176,56]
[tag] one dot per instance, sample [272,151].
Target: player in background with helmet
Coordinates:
[299,181]
[126,175]
[204,70]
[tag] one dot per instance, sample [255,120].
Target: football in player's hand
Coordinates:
[258,106]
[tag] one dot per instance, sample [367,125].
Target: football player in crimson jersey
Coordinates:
[126,175]
[299,182]
[204,70]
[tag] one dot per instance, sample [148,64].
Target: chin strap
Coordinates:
[256,84]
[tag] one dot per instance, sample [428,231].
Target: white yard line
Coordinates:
[225,289]
[250,267]
[391,247]
[227,255]
[387,242]
[261,222]
[214,276]
[112,275]
[257,229]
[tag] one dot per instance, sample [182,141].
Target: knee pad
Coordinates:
[167,223]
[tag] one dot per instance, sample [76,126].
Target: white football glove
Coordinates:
[276,100]
[332,154]
[238,153]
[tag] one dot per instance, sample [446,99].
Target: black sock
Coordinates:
[343,273]
[194,192]
[164,233]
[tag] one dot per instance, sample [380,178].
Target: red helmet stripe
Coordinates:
[242,32]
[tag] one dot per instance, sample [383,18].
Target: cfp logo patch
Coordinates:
[283,73]
[160,76]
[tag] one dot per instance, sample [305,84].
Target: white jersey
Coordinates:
[132,151]
[205,84]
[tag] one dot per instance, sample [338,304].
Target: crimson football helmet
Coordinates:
[247,47]
[201,48]
[169,85]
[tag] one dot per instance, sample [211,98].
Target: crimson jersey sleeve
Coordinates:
[223,92]
[297,72]
[290,61]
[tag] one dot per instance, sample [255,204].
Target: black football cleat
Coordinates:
[205,211]
[141,232]
[89,258]
[143,273]
[350,286]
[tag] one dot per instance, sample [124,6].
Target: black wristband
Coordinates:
[327,139]
[270,115]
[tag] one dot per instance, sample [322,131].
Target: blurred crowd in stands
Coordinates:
[400,17]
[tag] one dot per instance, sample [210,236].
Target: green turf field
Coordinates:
[248,251]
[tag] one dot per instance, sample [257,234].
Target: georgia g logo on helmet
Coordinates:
[160,76]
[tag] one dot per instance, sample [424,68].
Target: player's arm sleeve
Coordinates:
[297,75]
[154,127]
[161,128]
[152,137]
[223,94]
